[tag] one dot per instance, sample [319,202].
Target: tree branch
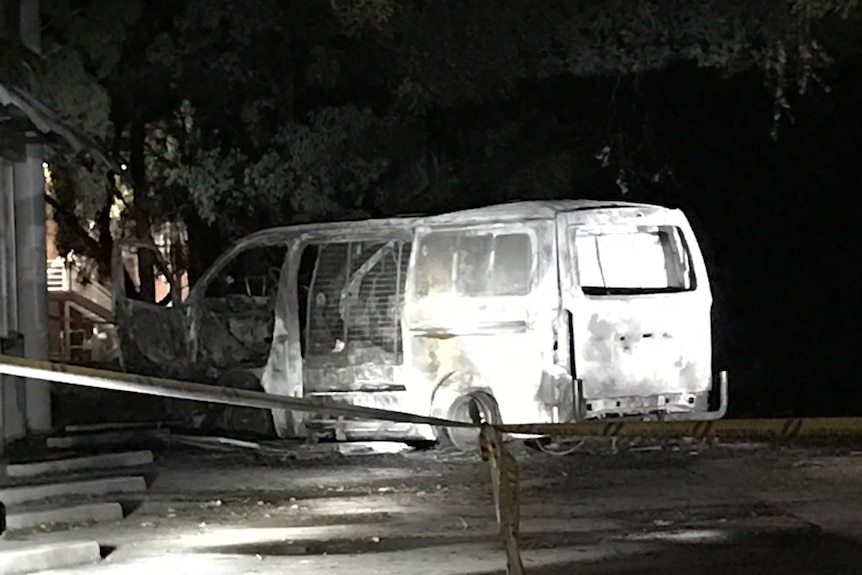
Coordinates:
[68,221]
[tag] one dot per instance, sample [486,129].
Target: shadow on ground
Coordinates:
[375,545]
[681,552]
[798,552]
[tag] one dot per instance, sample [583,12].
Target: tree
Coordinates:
[81,47]
[234,117]
[429,57]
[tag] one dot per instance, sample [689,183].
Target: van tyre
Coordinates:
[467,439]
[244,420]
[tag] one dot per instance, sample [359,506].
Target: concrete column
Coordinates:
[14,393]
[9,419]
[8,273]
[32,279]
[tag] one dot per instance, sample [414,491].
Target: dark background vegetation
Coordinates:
[232,116]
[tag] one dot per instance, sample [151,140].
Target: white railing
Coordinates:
[63,277]
[58,275]
[80,321]
[81,340]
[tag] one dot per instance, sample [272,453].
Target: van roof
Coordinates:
[506,212]
[532,209]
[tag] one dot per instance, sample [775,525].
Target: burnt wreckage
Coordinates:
[542,311]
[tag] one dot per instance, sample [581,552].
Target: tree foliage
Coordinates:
[271,112]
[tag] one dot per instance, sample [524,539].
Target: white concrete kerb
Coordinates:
[93,487]
[105,461]
[20,558]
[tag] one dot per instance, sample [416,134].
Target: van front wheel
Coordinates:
[466,438]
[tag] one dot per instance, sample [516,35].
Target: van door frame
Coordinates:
[198,295]
[283,374]
[575,301]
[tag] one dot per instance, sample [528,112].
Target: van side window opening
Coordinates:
[254,273]
[474,264]
[326,332]
[355,299]
[637,259]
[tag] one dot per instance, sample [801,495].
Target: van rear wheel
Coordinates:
[466,438]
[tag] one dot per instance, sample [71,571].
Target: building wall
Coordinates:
[12,392]
[25,405]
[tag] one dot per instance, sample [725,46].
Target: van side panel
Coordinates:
[499,344]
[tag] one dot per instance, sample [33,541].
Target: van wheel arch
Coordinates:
[451,400]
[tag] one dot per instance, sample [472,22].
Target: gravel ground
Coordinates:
[689,509]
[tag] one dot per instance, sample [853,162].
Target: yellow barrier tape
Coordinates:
[506,484]
[725,428]
[505,480]
[730,429]
[777,428]
[110,380]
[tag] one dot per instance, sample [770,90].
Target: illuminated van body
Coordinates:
[544,311]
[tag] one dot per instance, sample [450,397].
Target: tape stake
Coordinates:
[702,430]
[613,429]
[791,428]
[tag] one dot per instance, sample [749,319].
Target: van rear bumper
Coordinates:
[682,406]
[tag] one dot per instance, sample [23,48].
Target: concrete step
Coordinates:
[124,426]
[92,488]
[67,465]
[70,515]
[102,439]
[21,558]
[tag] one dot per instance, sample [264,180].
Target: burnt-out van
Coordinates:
[544,311]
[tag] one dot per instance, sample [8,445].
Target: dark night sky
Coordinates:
[780,235]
